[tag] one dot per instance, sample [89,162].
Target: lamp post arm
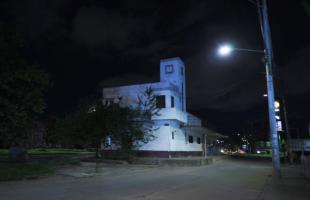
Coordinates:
[249,50]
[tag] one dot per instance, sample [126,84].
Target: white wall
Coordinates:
[129,95]
[164,141]
[180,141]
[161,142]
[193,120]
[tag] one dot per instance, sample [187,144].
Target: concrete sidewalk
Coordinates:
[291,186]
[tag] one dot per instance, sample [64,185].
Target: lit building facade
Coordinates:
[177,132]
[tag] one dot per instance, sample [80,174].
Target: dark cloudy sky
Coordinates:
[87,43]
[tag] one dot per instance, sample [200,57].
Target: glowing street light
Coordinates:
[225,50]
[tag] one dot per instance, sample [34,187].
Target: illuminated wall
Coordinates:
[169,133]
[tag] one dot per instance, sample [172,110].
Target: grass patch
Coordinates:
[43,161]
[51,152]
[16,171]
[31,169]
[4,153]
[58,152]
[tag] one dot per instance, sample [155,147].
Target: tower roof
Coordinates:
[172,59]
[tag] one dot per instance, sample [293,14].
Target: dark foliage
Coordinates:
[22,88]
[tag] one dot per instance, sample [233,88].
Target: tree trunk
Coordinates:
[98,148]
[97,152]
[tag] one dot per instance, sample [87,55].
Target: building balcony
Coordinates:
[172,114]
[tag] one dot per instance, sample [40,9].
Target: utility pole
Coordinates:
[264,21]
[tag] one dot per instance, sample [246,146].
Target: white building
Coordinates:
[177,133]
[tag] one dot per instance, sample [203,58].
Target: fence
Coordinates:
[305,162]
[299,144]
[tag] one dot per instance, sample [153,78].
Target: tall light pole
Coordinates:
[265,28]
[227,49]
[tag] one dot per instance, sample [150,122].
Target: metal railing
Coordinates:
[299,144]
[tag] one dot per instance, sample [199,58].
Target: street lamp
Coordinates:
[268,52]
[226,50]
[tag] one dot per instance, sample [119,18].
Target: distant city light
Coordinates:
[258,151]
[265,95]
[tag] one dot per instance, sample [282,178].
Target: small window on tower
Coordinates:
[182,71]
[160,101]
[169,68]
[172,101]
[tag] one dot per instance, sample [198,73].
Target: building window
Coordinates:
[182,71]
[160,101]
[169,68]
[172,135]
[198,140]
[182,98]
[172,101]
[190,139]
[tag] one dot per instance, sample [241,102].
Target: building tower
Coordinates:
[173,70]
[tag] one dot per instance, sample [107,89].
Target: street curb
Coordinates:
[182,162]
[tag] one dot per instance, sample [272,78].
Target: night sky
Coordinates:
[87,44]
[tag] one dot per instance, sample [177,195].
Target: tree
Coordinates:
[147,108]
[137,125]
[147,103]
[93,122]
[51,137]
[126,129]
[22,88]
[87,126]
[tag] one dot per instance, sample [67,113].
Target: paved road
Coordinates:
[226,179]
